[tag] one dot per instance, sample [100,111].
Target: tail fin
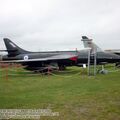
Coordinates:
[89,44]
[12,48]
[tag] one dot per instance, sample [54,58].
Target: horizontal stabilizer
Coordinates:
[84,37]
[7,50]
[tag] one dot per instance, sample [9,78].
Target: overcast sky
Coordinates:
[59,24]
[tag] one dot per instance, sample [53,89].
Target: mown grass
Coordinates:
[74,96]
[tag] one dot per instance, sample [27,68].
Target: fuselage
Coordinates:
[82,56]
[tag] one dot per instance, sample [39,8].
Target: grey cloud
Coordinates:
[59,24]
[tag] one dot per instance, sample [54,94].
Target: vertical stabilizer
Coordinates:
[12,48]
[89,44]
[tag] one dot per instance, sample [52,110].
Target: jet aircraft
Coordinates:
[40,60]
[110,56]
[36,61]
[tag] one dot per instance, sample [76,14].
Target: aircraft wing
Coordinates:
[51,58]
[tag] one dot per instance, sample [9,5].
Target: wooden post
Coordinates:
[95,61]
[89,62]
[6,71]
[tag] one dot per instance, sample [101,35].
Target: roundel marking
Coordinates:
[26,57]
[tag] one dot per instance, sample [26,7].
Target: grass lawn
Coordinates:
[74,96]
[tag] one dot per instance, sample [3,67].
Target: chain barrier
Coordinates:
[67,75]
[114,70]
[49,71]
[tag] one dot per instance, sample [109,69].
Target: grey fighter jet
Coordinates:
[36,60]
[102,56]
[39,60]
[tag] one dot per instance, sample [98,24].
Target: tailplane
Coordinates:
[12,48]
[89,44]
